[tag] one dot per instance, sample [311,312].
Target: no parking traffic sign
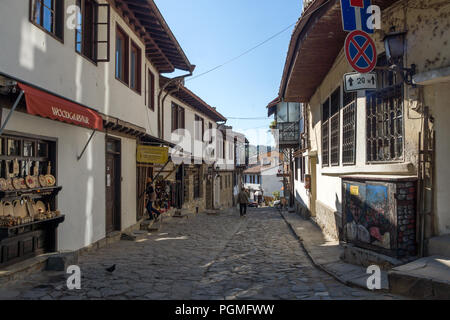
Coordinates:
[361,51]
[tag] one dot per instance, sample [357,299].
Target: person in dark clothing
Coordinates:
[243,201]
[151,198]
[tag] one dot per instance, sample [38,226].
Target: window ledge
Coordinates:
[381,169]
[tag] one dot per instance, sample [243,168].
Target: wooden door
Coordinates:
[113,194]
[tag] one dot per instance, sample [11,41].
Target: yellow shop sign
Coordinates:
[149,154]
[354,190]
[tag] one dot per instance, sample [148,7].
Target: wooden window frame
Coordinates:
[210,133]
[82,6]
[335,127]
[137,68]
[58,21]
[326,133]
[125,56]
[224,142]
[178,117]
[331,128]
[302,169]
[199,135]
[385,117]
[151,90]
[349,122]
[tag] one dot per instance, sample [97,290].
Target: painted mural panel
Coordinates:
[367,214]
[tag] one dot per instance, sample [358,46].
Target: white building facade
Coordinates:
[114,78]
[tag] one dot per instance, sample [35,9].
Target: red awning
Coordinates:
[46,105]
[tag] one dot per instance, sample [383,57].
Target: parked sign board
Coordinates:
[150,154]
[360,81]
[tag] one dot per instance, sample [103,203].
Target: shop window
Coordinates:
[178,118]
[48,15]
[122,45]
[151,90]
[42,149]
[135,68]
[349,129]
[13,147]
[385,125]
[28,148]
[29,231]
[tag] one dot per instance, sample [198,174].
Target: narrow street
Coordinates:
[202,257]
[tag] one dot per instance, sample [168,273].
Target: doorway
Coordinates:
[113,182]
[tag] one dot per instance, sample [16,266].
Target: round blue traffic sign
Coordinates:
[360,51]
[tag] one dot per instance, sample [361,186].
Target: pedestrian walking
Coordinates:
[151,198]
[243,201]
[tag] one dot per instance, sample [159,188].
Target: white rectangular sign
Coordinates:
[360,81]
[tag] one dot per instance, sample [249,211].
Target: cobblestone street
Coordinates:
[203,257]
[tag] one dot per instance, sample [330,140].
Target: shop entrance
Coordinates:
[113,192]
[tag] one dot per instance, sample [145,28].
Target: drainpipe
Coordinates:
[161,106]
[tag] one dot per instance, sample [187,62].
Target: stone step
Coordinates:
[151,225]
[134,235]
[365,258]
[180,214]
[425,278]
[211,212]
[439,246]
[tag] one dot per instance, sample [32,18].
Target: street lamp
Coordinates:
[394,44]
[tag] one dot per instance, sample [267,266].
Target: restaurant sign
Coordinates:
[150,154]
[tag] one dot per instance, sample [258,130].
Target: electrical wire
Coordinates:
[258,45]
[237,118]
[243,54]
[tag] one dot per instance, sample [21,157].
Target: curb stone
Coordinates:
[356,280]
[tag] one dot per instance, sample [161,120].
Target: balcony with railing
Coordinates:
[288,122]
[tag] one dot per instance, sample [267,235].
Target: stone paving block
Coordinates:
[207,257]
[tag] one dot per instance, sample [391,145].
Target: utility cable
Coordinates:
[258,45]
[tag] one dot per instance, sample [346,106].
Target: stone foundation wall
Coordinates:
[329,220]
[406,219]
[301,209]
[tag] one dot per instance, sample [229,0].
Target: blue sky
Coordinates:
[212,32]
